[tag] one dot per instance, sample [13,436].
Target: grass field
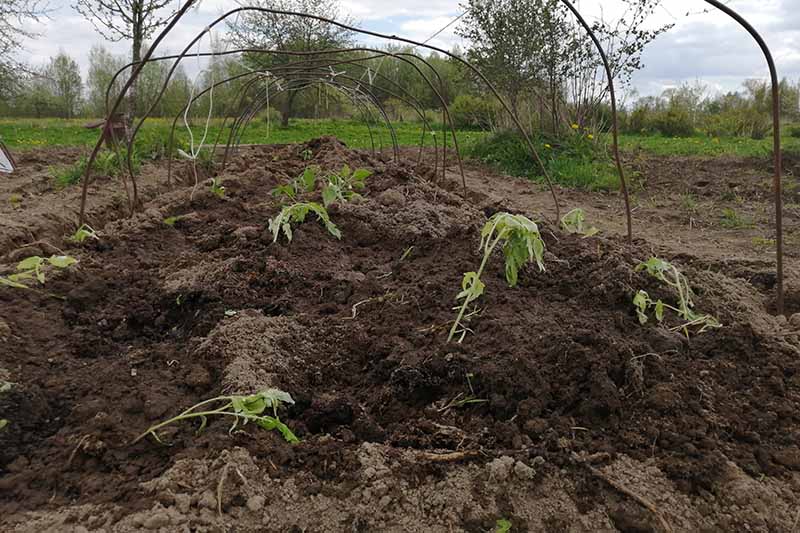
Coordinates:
[705,146]
[570,164]
[22,134]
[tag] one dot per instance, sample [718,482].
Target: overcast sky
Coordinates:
[706,46]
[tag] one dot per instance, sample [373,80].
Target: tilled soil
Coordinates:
[36,213]
[557,412]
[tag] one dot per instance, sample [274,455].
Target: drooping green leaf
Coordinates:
[503,526]
[275,397]
[660,311]
[62,261]
[31,263]
[329,195]
[360,176]
[297,214]
[253,405]
[285,190]
[573,221]
[471,287]
[9,283]
[83,233]
[309,179]
[287,433]
[642,302]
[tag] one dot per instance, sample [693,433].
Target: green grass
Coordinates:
[574,163]
[69,175]
[22,134]
[107,163]
[730,219]
[705,146]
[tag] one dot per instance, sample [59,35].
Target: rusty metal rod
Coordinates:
[776,134]
[137,70]
[614,120]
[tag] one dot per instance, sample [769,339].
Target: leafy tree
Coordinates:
[290,33]
[152,79]
[64,77]
[511,41]
[13,15]
[37,98]
[177,93]
[102,67]
[538,56]
[134,20]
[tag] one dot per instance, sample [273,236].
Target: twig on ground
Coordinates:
[620,487]
[220,486]
[75,451]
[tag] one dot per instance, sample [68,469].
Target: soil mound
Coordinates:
[398,428]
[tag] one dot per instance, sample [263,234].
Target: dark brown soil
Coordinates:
[157,318]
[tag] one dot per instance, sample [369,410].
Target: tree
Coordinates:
[64,77]
[37,99]
[134,20]
[537,54]
[102,67]
[176,94]
[13,14]
[290,33]
[508,39]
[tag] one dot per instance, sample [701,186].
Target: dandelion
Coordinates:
[548,146]
[590,136]
[575,127]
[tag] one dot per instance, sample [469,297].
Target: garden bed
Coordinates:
[558,412]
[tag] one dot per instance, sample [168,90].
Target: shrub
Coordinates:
[755,124]
[675,122]
[575,161]
[271,115]
[506,150]
[794,131]
[473,112]
[638,121]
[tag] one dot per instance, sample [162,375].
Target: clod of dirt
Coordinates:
[5,331]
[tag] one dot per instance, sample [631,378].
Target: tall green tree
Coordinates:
[102,67]
[64,77]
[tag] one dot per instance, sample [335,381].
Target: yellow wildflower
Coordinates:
[547,146]
[575,127]
[590,136]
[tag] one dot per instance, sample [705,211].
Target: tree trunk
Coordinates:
[288,105]
[136,56]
